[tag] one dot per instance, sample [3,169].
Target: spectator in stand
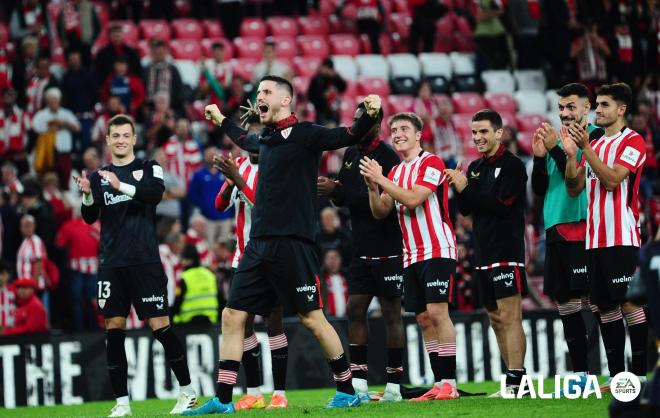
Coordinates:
[59,203]
[202,190]
[41,81]
[30,18]
[10,181]
[625,63]
[113,106]
[14,128]
[81,242]
[117,48]
[175,189]
[236,98]
[170,251]
[182,151]
[332,236]
[490,37]
[270,65]
[125,85]
[32,258]
[231,15]
[30,316]
[78,26]
[370,18]
[162,76]
[63,123]
[590,53]
[7,297]
[24,68]
[159,125]
[325,91]
[198,298]
[5,82]
[424,15]
[32,203]
[427,107]
[335,287]
[639,123]
[216,77]
[80,94]
[195,235]
[525,17]
[447,144]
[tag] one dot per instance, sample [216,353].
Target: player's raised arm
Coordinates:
[238,135]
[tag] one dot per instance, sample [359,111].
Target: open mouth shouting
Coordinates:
[263,110]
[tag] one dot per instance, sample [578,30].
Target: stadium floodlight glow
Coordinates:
[565,387]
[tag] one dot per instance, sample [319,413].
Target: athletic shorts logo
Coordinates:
[393,278]
[503,276]
[137,174]
[497,171]
[438,283]
[286,132]
[101,303]
[581,270]
[154,298]
[625,386]
[306,288]
[310,297]
[624,279]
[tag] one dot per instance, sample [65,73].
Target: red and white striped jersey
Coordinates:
[82,243]
[7,306]
[427,231]
[336,294]
[31,250]
[183,158]
[613,215]
[35,89]
[206,257]
[13,130]
[243,200]
[172,267]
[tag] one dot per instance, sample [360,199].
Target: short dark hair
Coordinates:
[620,92]
[119,120]
[218,45]
[491,116]
[280,81]
[574,89]
[414,120]
[380,116]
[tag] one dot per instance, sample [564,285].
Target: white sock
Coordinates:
[122,400]
[279,393]
[393,387]
[187,389]
[360,385]
[254,391]
[450,381]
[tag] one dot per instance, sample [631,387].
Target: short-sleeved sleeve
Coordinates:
[431,173]
[631,153]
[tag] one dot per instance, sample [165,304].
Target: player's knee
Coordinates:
[356,312]
[115,323]
[438,313]
[628,307]
[231,319]
[424,321]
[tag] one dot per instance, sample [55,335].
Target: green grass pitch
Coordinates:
[310,403]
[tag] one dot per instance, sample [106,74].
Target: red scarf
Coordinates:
[286,122]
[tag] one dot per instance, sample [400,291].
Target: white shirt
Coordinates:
[63,138]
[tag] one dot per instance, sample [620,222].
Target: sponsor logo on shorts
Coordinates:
[581,270]
[393,278]
[154,298]
[101,303]
[438,283]
[306,288]
[111,199]
[503,276]
[624,279]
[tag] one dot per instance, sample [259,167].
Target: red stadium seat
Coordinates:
[185,49]
[207,47]
[401,6]
[313,25]
[4,34]
[313,46]
[347,110]
[244,67]
[468,103]
[462,25]
[400,23]
[500,102]
[400,103]
[143,48]
[301,85]
[462,42]
[306,66]
[529,122]
[384,41]
[286,46]
[282,26]
[253,27]
[155,28]
[213,29]
[187,29]
[462,126]
[351,89]
[249,47]
[373,85]
[509,119]
[344,44]
[129,29]
[445,26]
[525,141]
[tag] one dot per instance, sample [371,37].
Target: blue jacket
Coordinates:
[203,188]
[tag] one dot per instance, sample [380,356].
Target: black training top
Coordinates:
[371,237]
[495,197]
[289,157]
[128,225]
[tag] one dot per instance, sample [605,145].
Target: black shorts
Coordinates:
[428,281]
[376,277]
[499,283]
[610,272]
[144,286]
[565,271]
[276,268]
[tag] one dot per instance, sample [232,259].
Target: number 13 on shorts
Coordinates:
[104,289]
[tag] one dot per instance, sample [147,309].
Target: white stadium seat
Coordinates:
[436,64]
[345,66]
[404,65]
[531,101]
[498,81]
[189,71]
[462,63]
[530,80]
[372,65]
[553,99]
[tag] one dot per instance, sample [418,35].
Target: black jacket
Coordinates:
[495,197]
[371,237]
[289,156]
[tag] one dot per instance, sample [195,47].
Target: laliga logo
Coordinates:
[571,389]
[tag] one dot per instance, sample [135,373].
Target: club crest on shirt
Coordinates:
[286,132]
[497,171]
[137,174]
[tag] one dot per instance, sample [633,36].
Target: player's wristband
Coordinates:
[87,199]
[127,189]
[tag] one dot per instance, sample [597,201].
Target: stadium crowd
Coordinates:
[67,67]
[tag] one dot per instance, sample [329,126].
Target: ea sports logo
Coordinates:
[625,386]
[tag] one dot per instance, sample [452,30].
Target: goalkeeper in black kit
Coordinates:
[124,195]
